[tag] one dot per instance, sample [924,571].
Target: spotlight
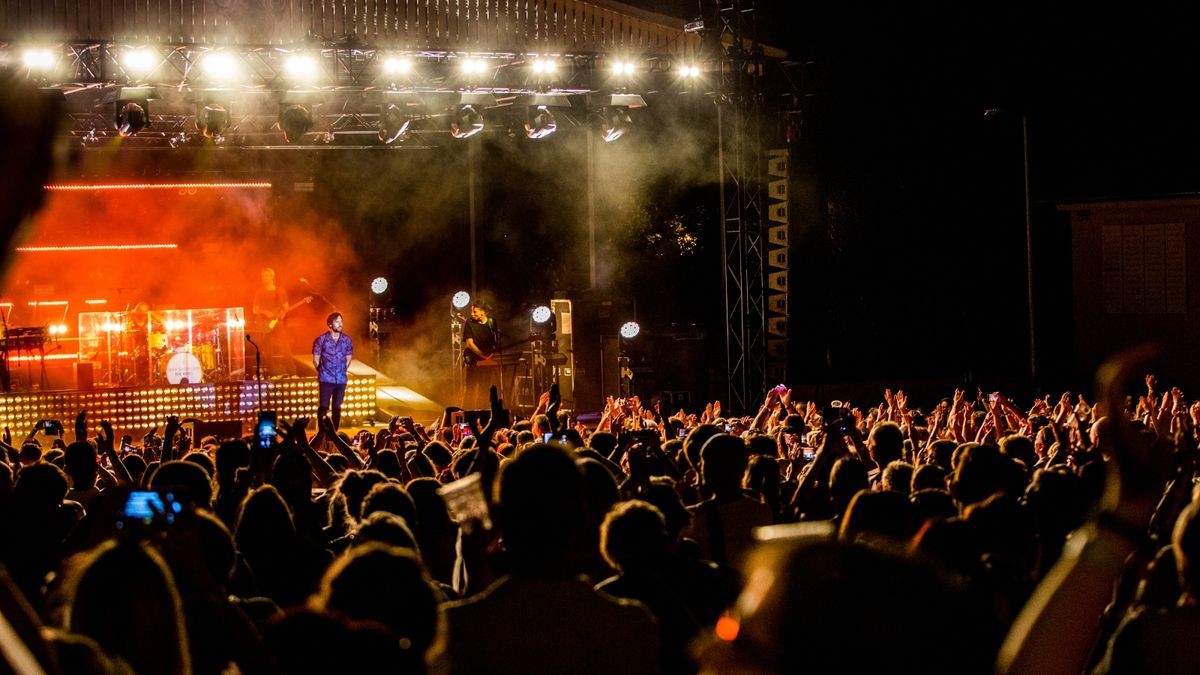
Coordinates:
[630,330]
[132,117]
[473,66]
[219,65]
[541,123]
[301,68]
[139,62]
[379,285]
[541,314]
[397,66]
[544,66]
[212,120]
[39,59]
[623,68]
[466,122]
[393,123]
[614,122]
[461,299]
[689,71]
[295,121]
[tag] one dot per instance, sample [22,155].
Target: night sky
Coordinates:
[910,236]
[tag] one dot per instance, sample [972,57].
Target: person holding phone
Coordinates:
[332,353]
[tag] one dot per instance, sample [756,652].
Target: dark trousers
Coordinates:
[330,393]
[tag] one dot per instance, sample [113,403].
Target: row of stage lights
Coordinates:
[303,68]
[466,120]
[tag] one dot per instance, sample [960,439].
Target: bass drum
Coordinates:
[183,368]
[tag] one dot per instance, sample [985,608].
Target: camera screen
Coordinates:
[143,505]
[266,433]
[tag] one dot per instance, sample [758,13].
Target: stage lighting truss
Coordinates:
[350,100]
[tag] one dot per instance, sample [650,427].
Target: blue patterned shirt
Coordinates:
[333,357]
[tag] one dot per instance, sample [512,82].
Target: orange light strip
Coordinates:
[95,302]
[49,357]
[93,247]
[48,303]
[160,186]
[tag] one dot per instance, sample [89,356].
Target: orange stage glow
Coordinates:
[94,247]
[728,628]
[161,186]
[217,242]
[49,357]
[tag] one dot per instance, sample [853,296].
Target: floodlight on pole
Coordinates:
[461,300]
[630,330]
[541,314]
[379,285]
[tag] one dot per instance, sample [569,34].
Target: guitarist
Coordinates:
[479,347]
[270,308]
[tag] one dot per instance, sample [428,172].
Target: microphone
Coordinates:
[250,340]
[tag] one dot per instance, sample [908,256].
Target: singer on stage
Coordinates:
[480,343]
[332,352]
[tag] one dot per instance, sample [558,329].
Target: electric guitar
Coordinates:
[284,312]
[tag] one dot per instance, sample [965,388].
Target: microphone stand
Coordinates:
[257,369]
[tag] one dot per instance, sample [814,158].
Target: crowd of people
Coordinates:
[960,537]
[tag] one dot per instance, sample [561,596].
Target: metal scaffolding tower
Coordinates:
[740,158]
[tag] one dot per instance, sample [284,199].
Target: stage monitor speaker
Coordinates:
[84,375]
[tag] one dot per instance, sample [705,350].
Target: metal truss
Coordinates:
[739,120]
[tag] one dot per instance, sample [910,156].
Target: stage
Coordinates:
[135,410]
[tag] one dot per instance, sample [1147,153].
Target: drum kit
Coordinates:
[164,359]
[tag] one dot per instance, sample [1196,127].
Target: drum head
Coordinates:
[184,366]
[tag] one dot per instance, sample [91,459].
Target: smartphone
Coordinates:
[547,437]
[466,429]
[682,433]
[809,454]
[52,427]
[265,430]
[780,388]
[144,507]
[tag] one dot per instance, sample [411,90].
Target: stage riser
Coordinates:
[136,410]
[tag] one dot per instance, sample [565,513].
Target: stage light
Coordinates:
[461,299]
[295,121]
[544,66]
[466,122]
[131,117]
[219,65]
[473,66]
[541,314]
[623,68]
[139,62]
[301,68]
[689,71]
[39,59]
[630,330]
[393,123]
[541,123]
[212,120]
[614,123]
[379,285]
[397,66]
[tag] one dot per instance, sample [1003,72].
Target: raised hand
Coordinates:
[81,425]
[901,400]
